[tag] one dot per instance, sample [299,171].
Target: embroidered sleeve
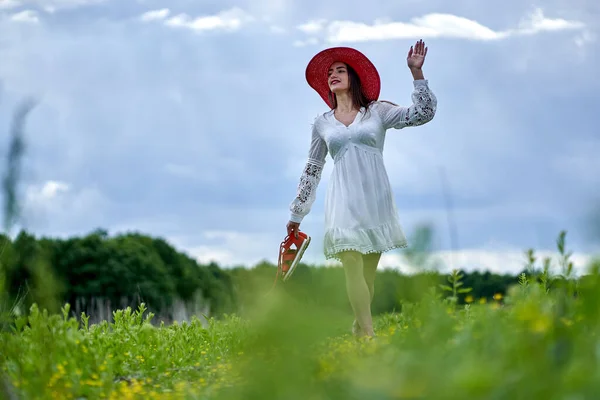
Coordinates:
[420,112]
[310,178]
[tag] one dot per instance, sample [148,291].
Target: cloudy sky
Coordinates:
[191,119]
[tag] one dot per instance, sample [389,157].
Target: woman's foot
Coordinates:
[358,332]
[356,328]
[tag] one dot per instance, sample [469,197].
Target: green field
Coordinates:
[540,341]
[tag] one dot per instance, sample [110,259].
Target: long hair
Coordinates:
[358,95]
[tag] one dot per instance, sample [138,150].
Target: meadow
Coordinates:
[538,341]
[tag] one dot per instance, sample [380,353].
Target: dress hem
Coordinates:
[334,253]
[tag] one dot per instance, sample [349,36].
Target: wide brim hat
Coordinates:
[318,67]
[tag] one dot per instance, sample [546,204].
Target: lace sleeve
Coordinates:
[310,178]
[420,112]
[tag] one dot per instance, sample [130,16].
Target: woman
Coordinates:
[361,220]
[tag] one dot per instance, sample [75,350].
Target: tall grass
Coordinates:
[539,341]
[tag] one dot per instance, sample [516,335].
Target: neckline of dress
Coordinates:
[360,110]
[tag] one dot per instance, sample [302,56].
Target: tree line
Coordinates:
[98,273]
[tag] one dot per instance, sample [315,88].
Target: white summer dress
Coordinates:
[360,212]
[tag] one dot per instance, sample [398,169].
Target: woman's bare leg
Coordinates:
[370,263]
[358,290]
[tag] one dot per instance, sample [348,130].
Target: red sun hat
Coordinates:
[318,67]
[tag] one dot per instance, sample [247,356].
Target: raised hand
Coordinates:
[416,55]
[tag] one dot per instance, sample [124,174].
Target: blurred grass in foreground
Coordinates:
[538,342]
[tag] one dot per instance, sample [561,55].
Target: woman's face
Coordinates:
[338,77]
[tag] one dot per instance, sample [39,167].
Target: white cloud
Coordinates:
[232,248]
[155,15]
[48,5]
[59,203]
[236,248]
[585,38]
[508,261]
[43,199]
[434,25]
[207,254]
[49,190]
[228,20]
[52,188]
[536,22]
[313,26]
[8,4]
[584,41]
[28,16]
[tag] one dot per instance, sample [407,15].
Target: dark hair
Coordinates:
[358,95]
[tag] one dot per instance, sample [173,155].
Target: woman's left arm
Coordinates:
[417,74]
[424,104]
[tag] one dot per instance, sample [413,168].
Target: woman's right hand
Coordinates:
[293,228]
